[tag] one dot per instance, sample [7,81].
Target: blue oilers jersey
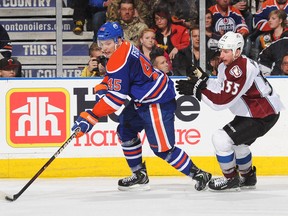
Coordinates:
[130,73]
[232,21]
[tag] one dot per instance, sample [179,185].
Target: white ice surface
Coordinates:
[168,196]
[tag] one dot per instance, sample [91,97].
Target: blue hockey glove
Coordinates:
[85,121]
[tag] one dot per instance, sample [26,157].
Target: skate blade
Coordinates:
[252,187]
[237,189]
[137,187]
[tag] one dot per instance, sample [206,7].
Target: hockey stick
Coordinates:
[17,195]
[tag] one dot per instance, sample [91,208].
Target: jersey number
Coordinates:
[114,84]
[231,87]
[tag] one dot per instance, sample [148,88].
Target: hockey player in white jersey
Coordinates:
[240,87]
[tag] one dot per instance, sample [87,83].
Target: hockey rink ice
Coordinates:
[169,196]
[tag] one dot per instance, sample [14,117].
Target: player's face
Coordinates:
[161,64]
[8,73]
[148,40]
[108,47]
[226,56]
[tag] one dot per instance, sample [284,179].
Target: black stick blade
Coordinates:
[11,199]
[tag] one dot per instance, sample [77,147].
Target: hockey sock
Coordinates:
[177,158]
[133,153]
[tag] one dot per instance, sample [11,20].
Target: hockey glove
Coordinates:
[192,86]
[85,121]
[197,79]
[198,72]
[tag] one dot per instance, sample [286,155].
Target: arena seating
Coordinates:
[31,25]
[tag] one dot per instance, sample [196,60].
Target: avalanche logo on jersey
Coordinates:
[236,71]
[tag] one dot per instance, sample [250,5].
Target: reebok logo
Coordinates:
[37,117]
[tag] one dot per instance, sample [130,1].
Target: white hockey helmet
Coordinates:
[231,40]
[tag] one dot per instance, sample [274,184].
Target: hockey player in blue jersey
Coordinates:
[152,108]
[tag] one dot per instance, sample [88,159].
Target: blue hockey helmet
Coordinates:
[110,30]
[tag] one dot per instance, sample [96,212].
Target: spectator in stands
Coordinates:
[182,12]
[159,61]
[132,26]
[10,67]
[98,9]
[148,43]
[212,37]
[243,7]
[284,65]
[261,17]
[228,18]
[96,66]
[142,11]
[208,3]
[214,61]
[80,15]
[277,23]
[260,21]
[95,9]
[270,57]
[5,43]
[171,37]
[191,54]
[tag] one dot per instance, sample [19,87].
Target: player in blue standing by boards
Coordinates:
[130,74]
[241,87]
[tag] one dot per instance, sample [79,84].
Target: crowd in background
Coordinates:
[174,27]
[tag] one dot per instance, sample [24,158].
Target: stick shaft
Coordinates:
[43,168]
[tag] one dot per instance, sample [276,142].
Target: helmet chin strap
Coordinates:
[235,56]
[118,43]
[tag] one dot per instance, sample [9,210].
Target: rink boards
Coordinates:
[37,115]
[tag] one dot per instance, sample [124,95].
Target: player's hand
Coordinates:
[85,122]
[192,86]
[198,72]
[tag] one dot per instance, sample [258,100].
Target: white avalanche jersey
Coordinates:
[242,88]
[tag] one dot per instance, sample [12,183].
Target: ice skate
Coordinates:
[138,181]
[225,184]
[249,181]
[201,177]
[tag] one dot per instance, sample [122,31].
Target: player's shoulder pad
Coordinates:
[119,57]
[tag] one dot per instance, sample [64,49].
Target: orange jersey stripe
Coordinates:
[159,131]
[181,162]
[115,99]
[100,86]
[102,109]
[133,152]
[160,88]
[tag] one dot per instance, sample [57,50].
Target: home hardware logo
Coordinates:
[37,117]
